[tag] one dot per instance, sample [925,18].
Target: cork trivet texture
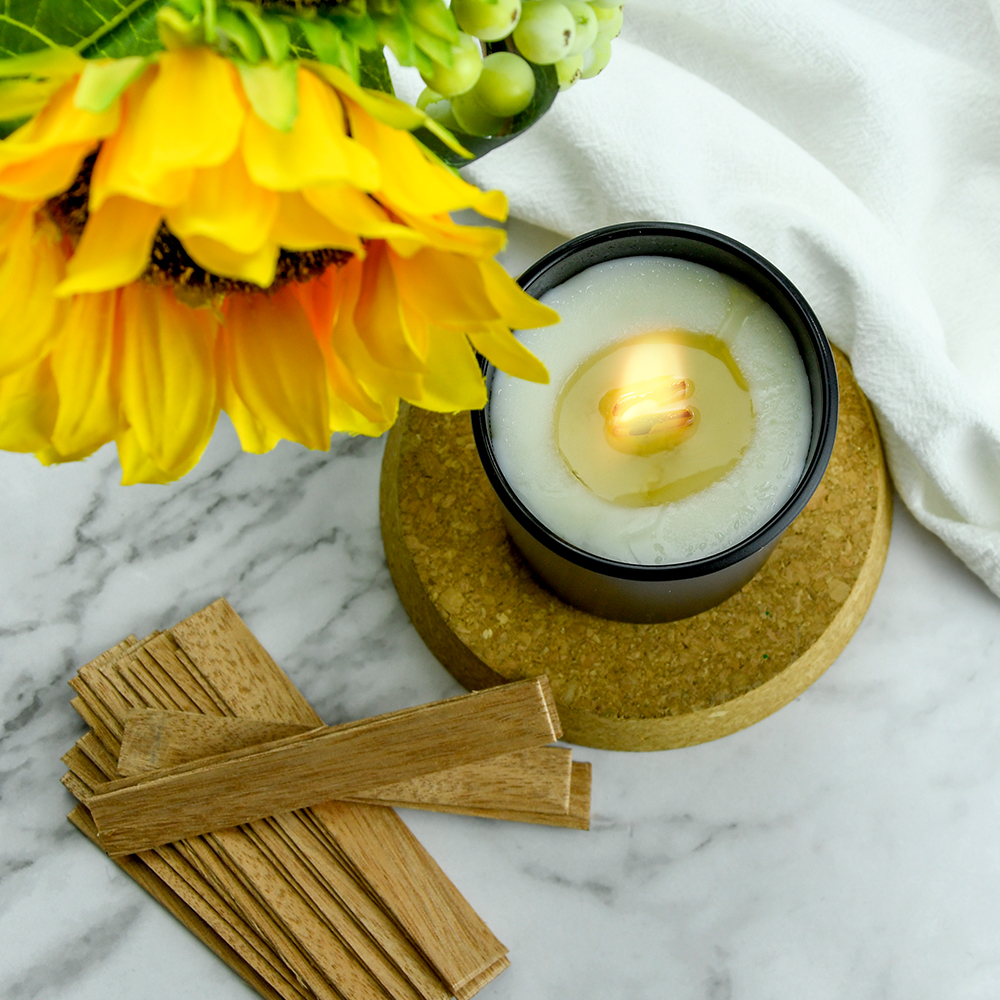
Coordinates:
[620,685]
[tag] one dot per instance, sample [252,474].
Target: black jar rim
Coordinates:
[728,256]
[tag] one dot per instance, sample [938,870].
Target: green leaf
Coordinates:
[273,92]
[236,31]
[93,28]
[437,48]
[394,31]
[43,64]
[273,31]
[101,83]
[323,37]
[176,30]
[357,26]
[433,16]
[374,71]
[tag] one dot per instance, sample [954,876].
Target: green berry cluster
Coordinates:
[480,95]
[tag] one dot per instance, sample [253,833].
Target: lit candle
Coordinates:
[677,418]
[690,415]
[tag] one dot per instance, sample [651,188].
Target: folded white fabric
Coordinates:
[856,145]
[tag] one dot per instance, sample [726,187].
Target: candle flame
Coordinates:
[644,417]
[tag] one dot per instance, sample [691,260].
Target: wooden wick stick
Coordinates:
[517,785]
[300,771]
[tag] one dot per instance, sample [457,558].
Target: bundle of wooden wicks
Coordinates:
[315,898]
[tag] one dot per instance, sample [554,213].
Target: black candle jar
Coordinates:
[651,593]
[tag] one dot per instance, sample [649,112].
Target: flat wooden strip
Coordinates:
[154,739]
[164,651]
[394,834]
[333,914]
[91,745]
[533,780]
[107,678]
[325,950]
[228,654]
[200,895]
[284,980]
[97,708]
[97,726]
[536,780]
[474,985]
[413,889]
[299,832]
[78,788]
[172,688]
[207,859]
[300,771]
[82,767]
[164,895]
[145,682]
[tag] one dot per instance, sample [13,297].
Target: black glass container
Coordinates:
[626,591]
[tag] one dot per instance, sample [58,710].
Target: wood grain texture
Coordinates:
[399,864]
[414,890]
[298,904]
[168,898]
[303,770]
[619,685]
[158,739]
[529,782]
[237,666]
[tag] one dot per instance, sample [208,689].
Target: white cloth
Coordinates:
[856,145]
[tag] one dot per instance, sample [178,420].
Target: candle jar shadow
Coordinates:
[629,591]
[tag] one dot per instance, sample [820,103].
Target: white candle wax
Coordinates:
[630,299]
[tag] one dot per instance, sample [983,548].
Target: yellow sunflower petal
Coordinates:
[352,409]
[12,215]
[453,380]
[28,402]
[386,108]
[42,157]
[446,288]
[83,367]
[298,226]
[277,367]
[440,232]
[30,314]
[384,385]
[122,164]
[506,352]
[257,267]
[412,182]
[255,436]
[114,248]
[22,98]
[138,467]
[191,115]
[347,207]
[346,418]
[316,150]
[224,205]
[167,382]
[379,318]
[518,309]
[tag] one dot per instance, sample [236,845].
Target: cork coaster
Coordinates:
[619,685]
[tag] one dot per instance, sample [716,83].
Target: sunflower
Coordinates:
[183,233]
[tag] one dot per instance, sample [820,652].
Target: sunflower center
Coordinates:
[170,263]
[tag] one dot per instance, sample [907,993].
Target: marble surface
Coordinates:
[845,847]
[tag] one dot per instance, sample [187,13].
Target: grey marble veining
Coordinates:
[844,847]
